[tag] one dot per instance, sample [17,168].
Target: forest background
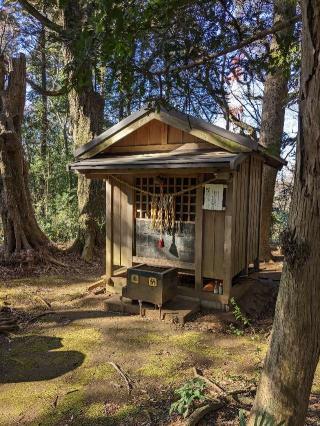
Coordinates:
[227,91]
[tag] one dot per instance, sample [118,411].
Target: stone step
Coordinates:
[177,310]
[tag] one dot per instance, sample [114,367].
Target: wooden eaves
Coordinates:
[207,132]
[168,160]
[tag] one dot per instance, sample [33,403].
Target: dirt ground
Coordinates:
[55,370]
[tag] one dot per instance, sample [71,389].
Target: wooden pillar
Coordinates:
[246,270]
[128,220]
[198,237]
[228,240]
[109,230]
[257,259]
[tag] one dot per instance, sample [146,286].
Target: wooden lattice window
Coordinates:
[185,204]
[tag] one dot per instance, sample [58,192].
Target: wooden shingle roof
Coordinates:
[168,160]
[218,137]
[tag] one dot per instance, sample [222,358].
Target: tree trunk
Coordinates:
[21,231]
[295,342]
[273,110]
[86,113]
[44,181]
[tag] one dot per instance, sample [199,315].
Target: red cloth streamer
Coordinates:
[161,243]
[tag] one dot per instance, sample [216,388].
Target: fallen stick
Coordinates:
[43,301]
[242,391]
[200,412]
[7,328]
[230,397]
[39,316]
[7,322]
[55,402]
[97,284]
[198,373]
[125,377]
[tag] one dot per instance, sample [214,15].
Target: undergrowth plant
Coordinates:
[191,392]
[240,317]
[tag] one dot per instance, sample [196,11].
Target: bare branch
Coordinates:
[41,18]
[39,89]
[211,56]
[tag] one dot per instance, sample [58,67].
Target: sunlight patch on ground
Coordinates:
[58,372]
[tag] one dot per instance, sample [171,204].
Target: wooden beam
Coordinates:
[206,134]
[118,136]
[109,229]
[101,174]
[145,149]
[198,236]
[164,262]
[203,295]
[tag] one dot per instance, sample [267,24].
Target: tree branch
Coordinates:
[39,89]
[211,56]
[41,18]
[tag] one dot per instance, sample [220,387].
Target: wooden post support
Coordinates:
[228,240]
[198,237]
[129,220]
[109,230]
[246,270]
[257,259]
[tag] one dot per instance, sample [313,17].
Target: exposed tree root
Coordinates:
[33,319]
[54,261]
[42,255]
[224,398]
[200,412]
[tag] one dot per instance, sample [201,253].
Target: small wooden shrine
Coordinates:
[182,193]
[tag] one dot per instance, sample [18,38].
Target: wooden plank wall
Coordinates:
[213,244]
[254,209]
[122,224]
[157,133]
[240,217]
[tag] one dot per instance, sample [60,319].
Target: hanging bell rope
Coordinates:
[152,194]
[162,212]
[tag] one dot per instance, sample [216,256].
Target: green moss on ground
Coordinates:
[94,414]
[164,367]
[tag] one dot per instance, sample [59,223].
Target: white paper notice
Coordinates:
[213,197]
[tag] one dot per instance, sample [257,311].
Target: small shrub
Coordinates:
[235,330]
[239,316]
[189,393]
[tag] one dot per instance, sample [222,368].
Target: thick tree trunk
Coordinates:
[21,230]
[273,110]
[86,113]
[44,122]
[295,342]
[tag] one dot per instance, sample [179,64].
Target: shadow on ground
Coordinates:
[35,358]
